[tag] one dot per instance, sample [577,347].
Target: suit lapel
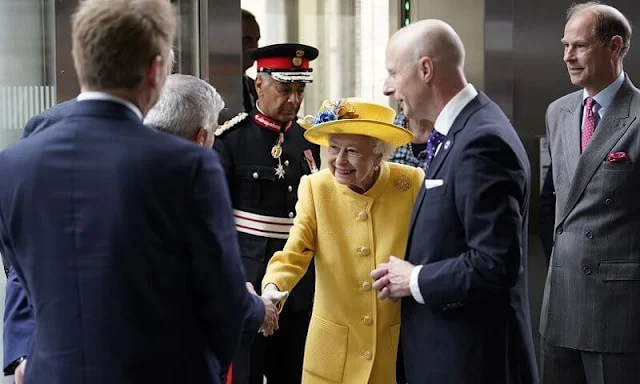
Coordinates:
[416,209]
[571,136]
[613,125]
[449,141]
[447,144]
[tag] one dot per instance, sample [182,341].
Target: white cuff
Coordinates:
[413,284]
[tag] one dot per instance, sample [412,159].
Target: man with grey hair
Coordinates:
[591,304]
[188,107]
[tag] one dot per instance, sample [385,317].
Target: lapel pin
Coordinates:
[447,144]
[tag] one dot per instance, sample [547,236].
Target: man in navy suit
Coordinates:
[465,309]
[19,324]
[188,103]
[123,238]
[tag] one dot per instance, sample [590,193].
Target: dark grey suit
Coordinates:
[592,294]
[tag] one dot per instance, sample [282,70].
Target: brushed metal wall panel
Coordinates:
[498,53]
[223,64]
[67,86]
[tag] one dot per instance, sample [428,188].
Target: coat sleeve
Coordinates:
[217,274]
[490,191]
[287,267]
[19,323]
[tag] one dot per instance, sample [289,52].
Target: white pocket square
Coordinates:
[433,183]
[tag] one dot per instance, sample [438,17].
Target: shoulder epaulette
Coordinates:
[231,123]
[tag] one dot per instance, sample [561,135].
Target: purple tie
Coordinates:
[435,138]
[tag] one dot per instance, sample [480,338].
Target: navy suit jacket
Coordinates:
[124,241]
[47,118]
[19,324]
[40,122]
[470,235]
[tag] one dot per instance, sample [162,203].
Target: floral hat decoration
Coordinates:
[354,116]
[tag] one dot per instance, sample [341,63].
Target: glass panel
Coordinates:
[27,85]
[351,36]
[187,45]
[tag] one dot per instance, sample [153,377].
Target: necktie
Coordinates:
[435,138]
[589,123]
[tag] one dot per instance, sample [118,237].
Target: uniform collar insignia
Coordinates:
[265,121]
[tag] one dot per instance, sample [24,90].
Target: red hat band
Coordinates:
[282,63]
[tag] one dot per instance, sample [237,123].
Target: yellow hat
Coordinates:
[353,116]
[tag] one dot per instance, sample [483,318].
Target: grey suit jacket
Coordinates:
[592,293]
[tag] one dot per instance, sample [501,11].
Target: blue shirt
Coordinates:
[604,98]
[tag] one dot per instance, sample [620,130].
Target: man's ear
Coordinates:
[425,66]
[154,72]
[201,136]
[616,44]
[259,84]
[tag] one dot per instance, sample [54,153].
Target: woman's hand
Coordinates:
[272,293]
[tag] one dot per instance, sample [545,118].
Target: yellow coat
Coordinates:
[353,336]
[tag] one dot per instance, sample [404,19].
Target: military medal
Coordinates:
[276,152]
[311,162]
[280,171]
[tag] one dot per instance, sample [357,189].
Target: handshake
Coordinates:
[272,298]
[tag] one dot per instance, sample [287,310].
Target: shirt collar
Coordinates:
[605,97]
[94,95]
[453,108]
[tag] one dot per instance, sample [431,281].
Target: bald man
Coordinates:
[465,309]
[590,318]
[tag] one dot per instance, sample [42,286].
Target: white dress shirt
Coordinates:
[443,124]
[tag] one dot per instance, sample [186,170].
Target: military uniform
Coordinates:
[264,160]
[263,202]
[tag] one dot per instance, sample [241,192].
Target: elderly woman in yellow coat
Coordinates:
[350,217]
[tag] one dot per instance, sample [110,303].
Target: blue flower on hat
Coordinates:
[325,116]
[334,110]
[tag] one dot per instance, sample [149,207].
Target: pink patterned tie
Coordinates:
[589,123]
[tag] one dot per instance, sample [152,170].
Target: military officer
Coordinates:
[264,155]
